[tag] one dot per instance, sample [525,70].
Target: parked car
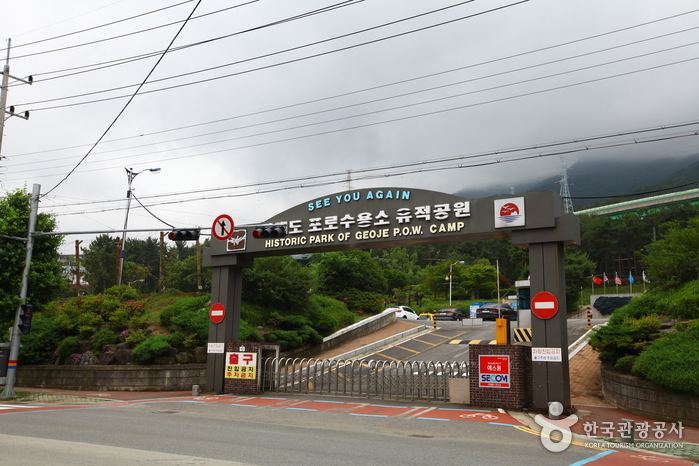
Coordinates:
[492,311]
[404,312]
[450,313]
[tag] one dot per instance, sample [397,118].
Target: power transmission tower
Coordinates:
[565,192]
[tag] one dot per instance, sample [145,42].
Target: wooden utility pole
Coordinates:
[77,268]
[162,264]
[118,262]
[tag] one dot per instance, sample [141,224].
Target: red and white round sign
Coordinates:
[544,305]
[223,227]
[217,313]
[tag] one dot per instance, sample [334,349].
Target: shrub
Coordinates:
[328,315]
[39,345]
[628,338]
[625,363]
[670,362]
[103,337]
[68,346]
[151,348]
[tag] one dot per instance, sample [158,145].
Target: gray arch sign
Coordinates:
[389,217]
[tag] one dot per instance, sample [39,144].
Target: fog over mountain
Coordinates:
[604,178]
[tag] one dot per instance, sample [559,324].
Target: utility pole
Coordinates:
[16,334]
[3,95]
[77,267]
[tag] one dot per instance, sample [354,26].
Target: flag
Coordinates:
[645,279]
[606,280]
[617,280]
[596,280]
[631,280]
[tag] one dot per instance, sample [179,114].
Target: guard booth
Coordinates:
[524,309]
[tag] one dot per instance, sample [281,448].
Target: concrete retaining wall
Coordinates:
[643,398]
[349,333]
[127,378]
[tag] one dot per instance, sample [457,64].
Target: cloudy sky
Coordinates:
[261,105]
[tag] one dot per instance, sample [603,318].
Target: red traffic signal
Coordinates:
[272,231]
[184,235]
[26,317]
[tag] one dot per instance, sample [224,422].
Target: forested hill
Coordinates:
[609,178]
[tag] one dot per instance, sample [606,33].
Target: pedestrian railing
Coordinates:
[366,378]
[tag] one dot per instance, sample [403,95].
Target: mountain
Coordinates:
[588,179]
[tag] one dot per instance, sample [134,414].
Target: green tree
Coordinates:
[578,269]
[142,264]
[674,260]
[45,272]
[99,260]
[278,283]
[481,279]
[338,272]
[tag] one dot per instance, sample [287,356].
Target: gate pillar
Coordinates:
[226,288]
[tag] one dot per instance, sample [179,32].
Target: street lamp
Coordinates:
[449,277]
[130,174]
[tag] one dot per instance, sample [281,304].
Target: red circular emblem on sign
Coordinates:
[217,313]
[509,209]
[544,305]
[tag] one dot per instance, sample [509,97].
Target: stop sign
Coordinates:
[544,305]
[217,313]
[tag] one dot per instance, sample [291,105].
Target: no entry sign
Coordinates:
[544,305]
[217,313]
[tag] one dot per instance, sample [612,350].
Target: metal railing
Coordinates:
[365,378]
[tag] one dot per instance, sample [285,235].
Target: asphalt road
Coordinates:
[212,432]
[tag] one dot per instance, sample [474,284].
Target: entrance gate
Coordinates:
[389,217]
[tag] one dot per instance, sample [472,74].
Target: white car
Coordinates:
[404,312]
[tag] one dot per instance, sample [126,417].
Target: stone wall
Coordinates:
[128,378]
[645,399]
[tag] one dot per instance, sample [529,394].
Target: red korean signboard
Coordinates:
[494,371]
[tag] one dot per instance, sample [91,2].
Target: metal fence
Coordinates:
[366,378]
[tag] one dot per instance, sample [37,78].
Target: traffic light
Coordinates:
[184,235]
[271,231]
[27,312]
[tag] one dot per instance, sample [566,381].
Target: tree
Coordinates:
[338,272]
[481,279]
[142,264]
[99,260]
[45,272]
[578,269]
[674,260]
[278,283]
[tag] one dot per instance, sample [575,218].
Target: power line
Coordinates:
[396,83]
[127,103]
[402,118]
[320,54]
[424,165]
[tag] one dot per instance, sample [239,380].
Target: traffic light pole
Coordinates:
[16,334]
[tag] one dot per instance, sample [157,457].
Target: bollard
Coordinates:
[195,390]
[626,430]
[589,317]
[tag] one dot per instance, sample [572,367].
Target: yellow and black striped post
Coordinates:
[589,317]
